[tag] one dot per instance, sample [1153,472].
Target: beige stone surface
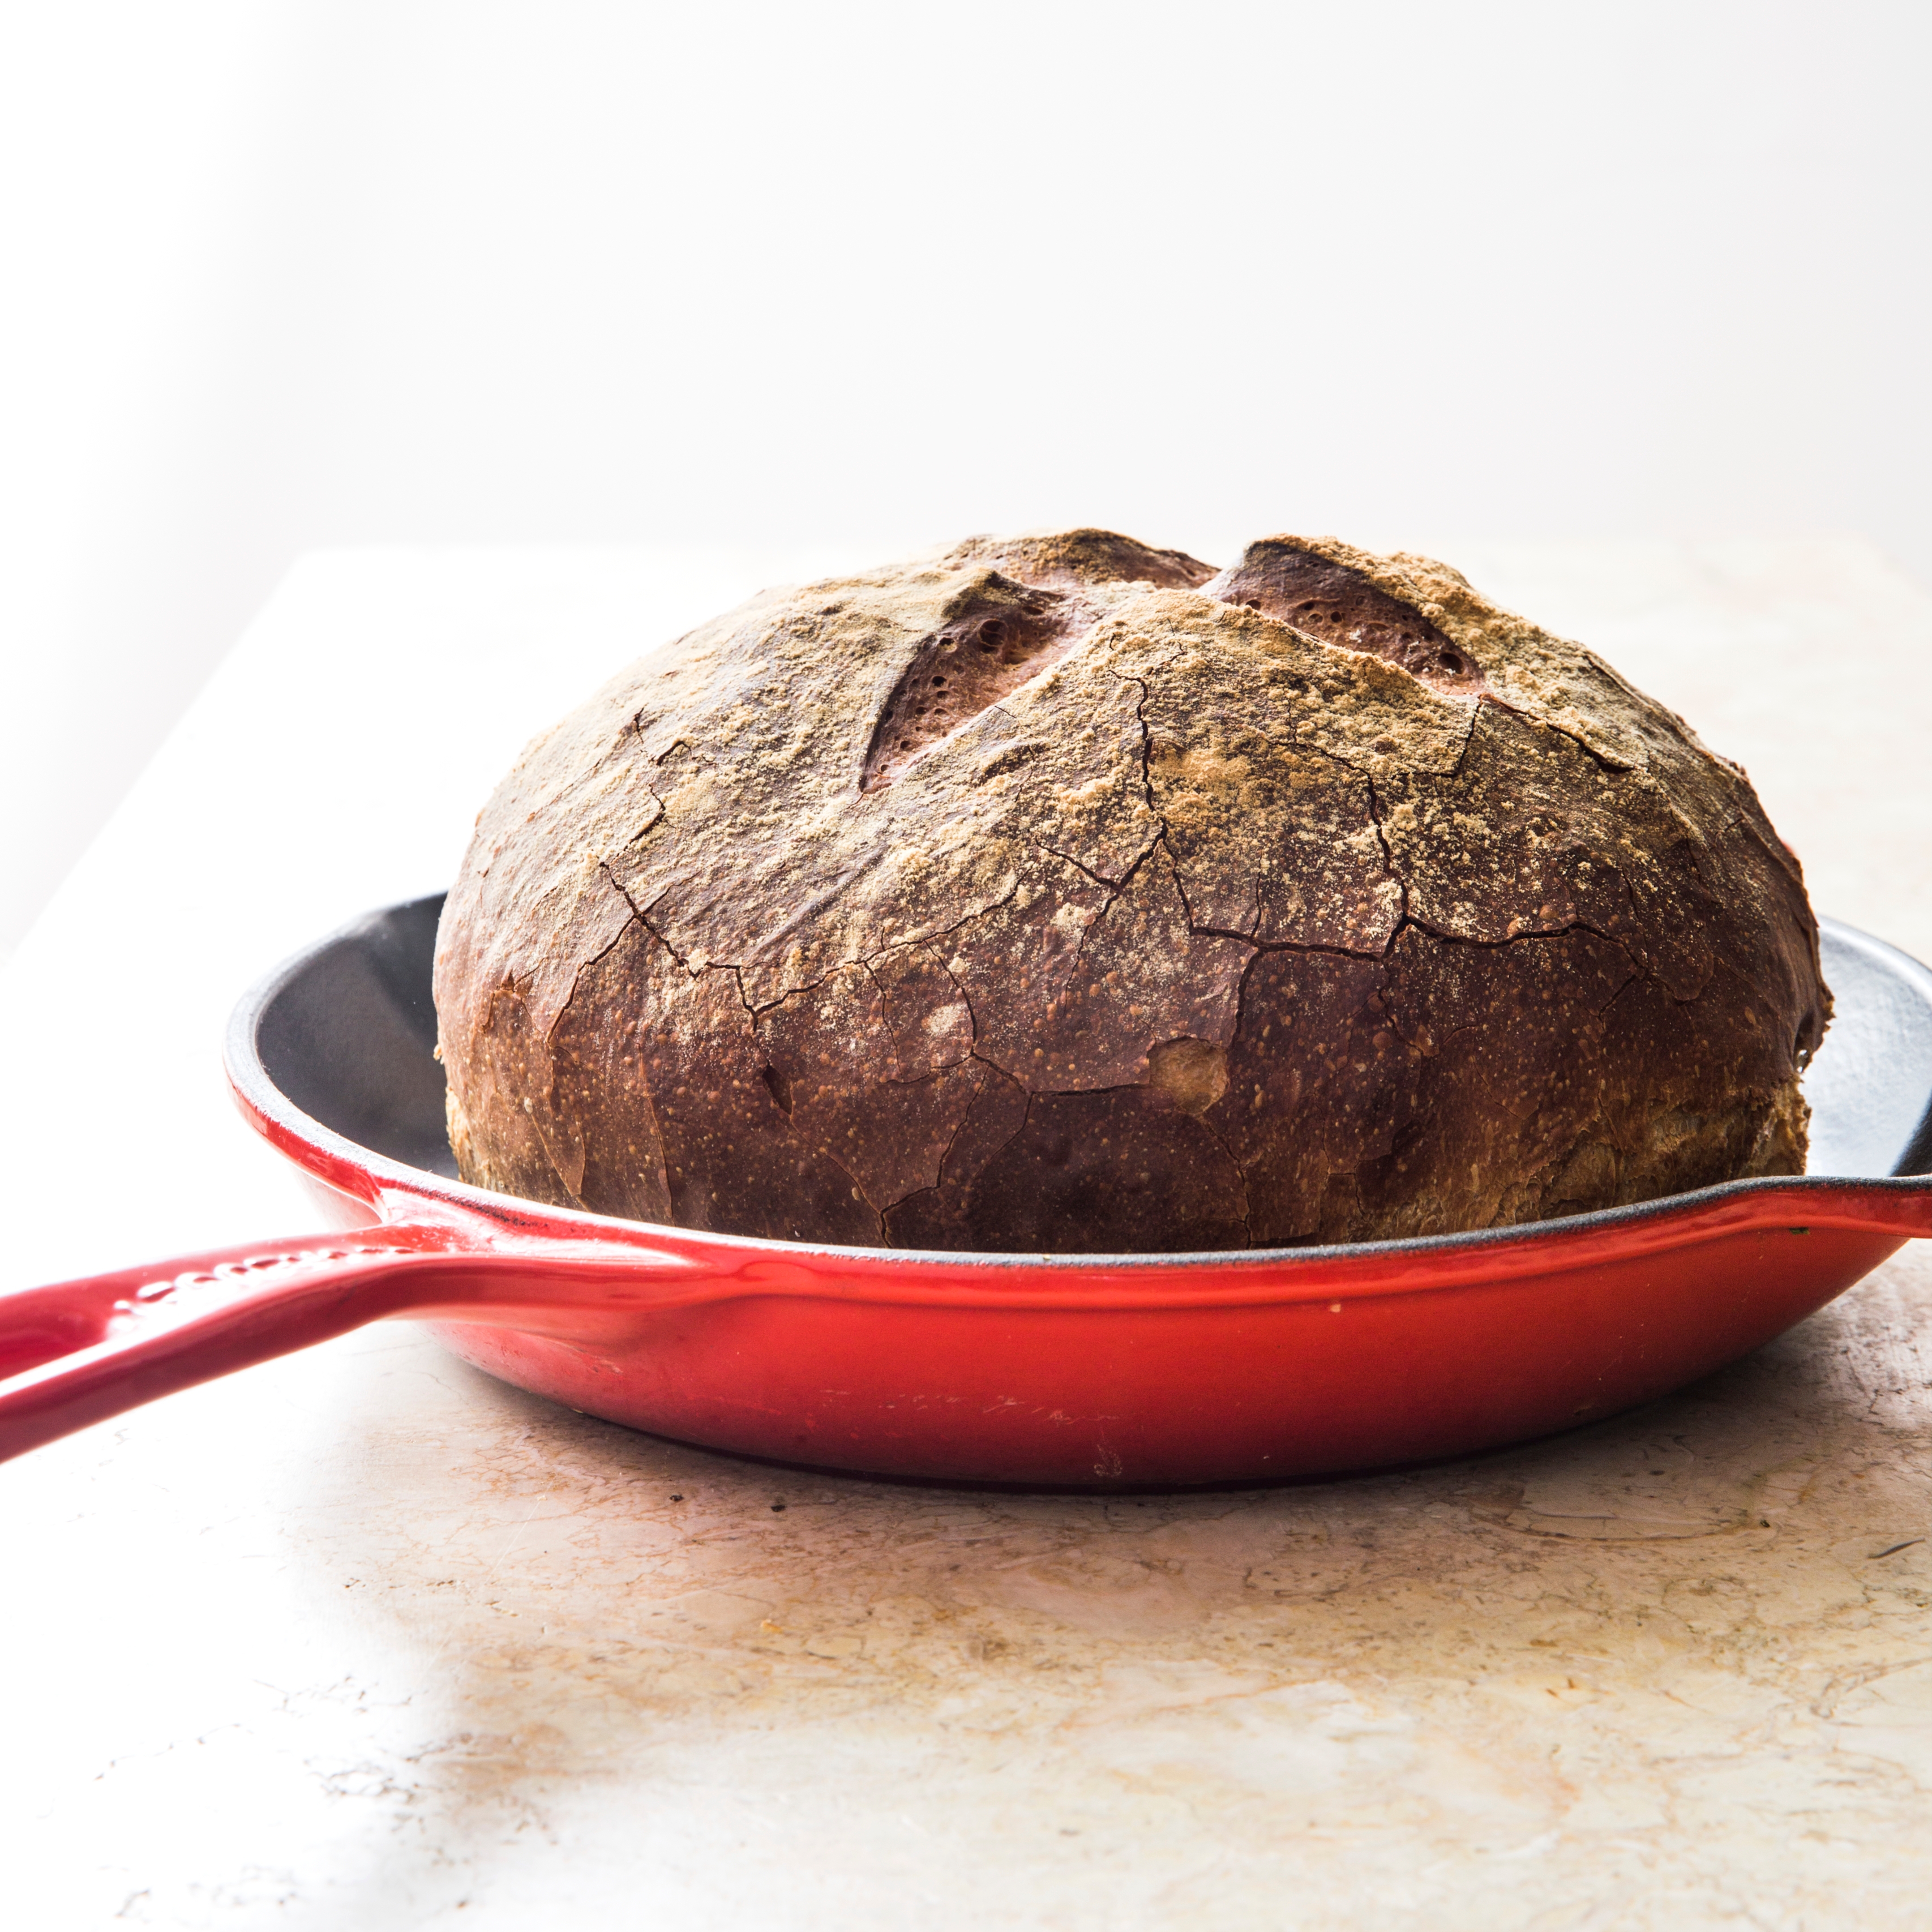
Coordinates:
[440,1653]
[364,1639]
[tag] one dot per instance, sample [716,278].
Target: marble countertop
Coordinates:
[363,1639]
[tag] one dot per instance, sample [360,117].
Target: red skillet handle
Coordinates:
[79,1352]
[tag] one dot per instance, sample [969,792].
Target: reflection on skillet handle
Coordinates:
[79,1351]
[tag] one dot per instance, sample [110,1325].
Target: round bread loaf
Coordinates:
[1061,894]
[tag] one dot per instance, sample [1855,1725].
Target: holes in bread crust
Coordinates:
[996,639]
[1341,606]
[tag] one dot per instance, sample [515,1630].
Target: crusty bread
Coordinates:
[1060,894]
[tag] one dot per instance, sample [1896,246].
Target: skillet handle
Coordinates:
[79,1352]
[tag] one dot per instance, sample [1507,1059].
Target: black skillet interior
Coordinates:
[348,1029]
[349,1034]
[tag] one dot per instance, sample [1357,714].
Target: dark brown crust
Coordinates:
[1057,893]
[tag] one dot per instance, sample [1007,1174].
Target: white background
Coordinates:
[840,279]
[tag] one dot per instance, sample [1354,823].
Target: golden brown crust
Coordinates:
[1057,892]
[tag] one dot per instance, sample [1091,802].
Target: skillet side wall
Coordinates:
[1109,1397]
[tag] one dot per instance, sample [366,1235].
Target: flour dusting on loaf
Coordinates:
[1062,894]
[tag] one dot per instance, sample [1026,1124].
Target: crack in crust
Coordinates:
[1058,893]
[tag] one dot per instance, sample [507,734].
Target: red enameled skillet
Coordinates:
[1087,1370]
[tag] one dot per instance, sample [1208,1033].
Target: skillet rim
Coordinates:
[267,1105]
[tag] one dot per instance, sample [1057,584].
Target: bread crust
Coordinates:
[1062,894]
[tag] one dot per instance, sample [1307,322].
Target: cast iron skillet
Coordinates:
[1088,1370]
